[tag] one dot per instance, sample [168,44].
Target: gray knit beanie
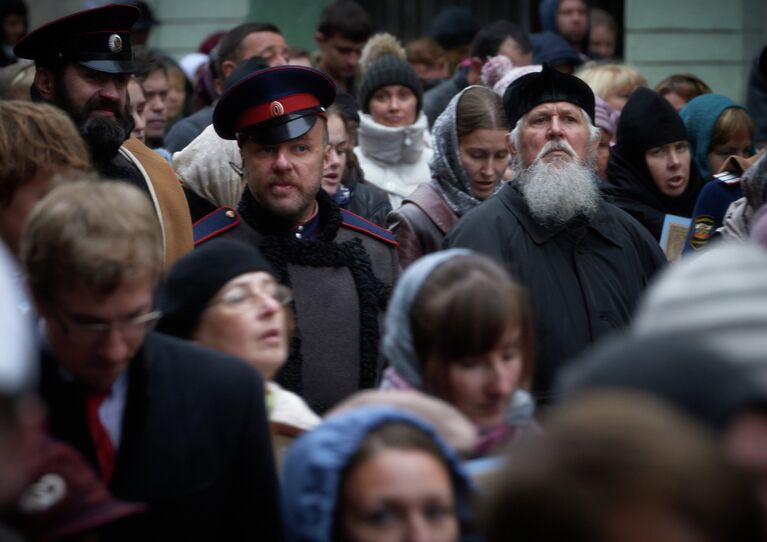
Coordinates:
[720,295]
[389,70]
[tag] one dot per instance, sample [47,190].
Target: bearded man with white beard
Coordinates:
[584,262]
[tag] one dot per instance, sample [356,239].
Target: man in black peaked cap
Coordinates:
[584,261]
[340,266]
[83,63]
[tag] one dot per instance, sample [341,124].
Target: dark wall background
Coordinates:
[409,19]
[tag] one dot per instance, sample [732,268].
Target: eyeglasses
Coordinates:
[243,296]
[130,328]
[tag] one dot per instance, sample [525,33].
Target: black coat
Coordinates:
[341,283]
[584,279]
[369,202]
[648,120]
[195,443]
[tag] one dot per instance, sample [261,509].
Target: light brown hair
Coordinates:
[479,108]
[607,459]
[732,122]
[350,125]
[91,234]
[463,309]
[685,85]
[36,139]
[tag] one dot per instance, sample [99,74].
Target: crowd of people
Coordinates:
[485,285]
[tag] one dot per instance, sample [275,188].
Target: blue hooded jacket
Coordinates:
[547,15]
[314,466]
[553,49]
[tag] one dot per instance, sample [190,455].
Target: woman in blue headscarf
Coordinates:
[372,474]
[718,128]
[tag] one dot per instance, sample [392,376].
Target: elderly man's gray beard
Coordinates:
[559,190]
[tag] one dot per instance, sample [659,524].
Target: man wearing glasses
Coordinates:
[164,422]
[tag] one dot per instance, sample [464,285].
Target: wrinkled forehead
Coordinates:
[554,108]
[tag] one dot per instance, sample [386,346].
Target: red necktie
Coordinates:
[105,450]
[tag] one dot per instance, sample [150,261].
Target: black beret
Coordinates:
[274,104]
[97,38]
[548,85]
[197,277]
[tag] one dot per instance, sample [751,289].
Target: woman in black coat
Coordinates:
[650,173]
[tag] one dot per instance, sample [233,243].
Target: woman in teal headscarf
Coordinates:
[718,128]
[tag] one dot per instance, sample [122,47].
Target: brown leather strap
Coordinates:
[433,204]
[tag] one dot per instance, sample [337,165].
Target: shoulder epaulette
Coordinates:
[727,177]
[356,222]
[215,223]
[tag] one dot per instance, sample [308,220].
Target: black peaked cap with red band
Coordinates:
[97,38]
[274,104]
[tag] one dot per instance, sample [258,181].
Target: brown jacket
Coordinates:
[421,223]
[167,196]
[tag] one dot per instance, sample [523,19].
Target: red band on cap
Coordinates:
[276,108]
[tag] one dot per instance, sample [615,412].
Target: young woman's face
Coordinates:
[603,153]
[675,100]
[399,496]
[393,106]
[246,319]
[137,105]
[485,158]
[602,41]
[617,100]
[669,167]
[738,145]
[174,102]
[481,387]
[335,164]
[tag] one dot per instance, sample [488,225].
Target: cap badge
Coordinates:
[277,109]
[43,494]
[115,43]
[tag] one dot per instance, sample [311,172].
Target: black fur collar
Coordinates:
[282,248]
[268,224]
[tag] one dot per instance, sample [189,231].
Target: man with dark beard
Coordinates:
[83,64]
[584,261]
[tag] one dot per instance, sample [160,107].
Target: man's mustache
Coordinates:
[102,103]
[556,145]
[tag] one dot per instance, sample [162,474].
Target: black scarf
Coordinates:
[647,121]
[280,246]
